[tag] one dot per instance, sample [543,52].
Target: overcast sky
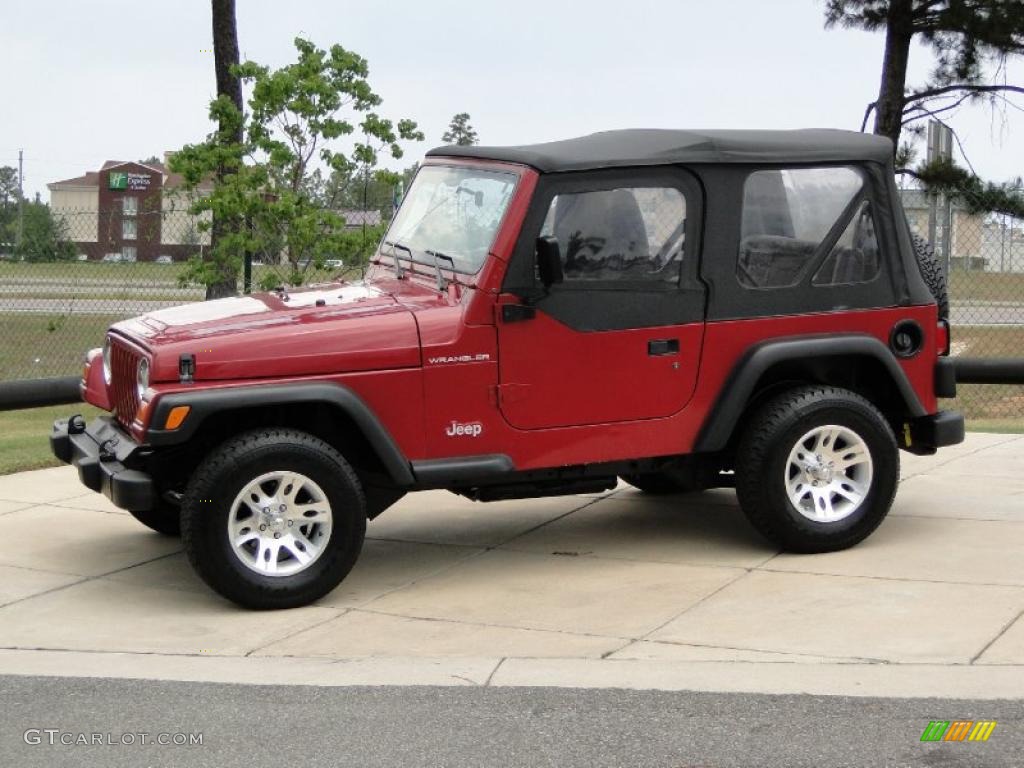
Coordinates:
[85,82]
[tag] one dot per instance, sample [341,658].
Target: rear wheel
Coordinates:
[273,519]
[817,469]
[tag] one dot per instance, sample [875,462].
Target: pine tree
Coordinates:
[970,38]
[460,131]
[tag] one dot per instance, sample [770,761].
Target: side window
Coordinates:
[787,214]
[630,233]
[854,258]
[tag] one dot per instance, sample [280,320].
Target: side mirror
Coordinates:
[549,261]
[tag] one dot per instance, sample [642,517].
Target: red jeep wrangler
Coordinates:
[680,309]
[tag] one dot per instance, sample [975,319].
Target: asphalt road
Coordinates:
[249,725]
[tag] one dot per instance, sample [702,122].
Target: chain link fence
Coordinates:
[67,281]
[983,256]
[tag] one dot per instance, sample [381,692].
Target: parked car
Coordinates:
[680,309]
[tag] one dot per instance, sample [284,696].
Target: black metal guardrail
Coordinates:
[990,370]
[36,393]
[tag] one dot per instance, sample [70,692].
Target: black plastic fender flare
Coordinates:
[720,422]
[206,402]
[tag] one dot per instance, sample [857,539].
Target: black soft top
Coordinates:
[651,146]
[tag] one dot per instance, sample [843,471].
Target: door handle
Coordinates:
[516,313]
[659,347]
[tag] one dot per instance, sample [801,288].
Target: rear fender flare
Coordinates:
[720,422]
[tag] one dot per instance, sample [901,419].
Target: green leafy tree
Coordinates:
[460,131]
[971,39]
[301,118]
[374,191]
[8,185]
[8,205]
[44,237]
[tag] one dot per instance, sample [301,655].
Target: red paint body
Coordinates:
[543,394]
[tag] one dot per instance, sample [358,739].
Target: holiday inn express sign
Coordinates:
[125,180]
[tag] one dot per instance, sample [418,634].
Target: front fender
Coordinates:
[206,402]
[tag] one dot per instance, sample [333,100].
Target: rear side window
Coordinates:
[628,234]
[787,215]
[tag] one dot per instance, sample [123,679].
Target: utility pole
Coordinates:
[21,195]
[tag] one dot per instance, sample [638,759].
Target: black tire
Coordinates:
[220,478]
[165,519]
[933,274]
[662,483]
[762,468]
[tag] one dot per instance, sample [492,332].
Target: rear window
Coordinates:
[787,214]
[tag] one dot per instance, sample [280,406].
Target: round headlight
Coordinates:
[107,375]
[142,381]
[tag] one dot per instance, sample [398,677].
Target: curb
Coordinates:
[984,682]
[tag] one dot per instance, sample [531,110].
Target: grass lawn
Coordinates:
[25,436]
[59,277]
[70,271]
[986,286]
[990,407]
[39,346]
[44,344]
[988,340]
[1000,426]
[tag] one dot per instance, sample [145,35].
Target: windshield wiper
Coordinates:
[441,284]
[395,248]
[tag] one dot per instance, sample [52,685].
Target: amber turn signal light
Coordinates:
[177,416]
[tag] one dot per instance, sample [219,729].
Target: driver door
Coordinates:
[619,339]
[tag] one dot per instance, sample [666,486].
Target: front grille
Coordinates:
[124,371]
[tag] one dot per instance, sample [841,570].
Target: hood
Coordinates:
[323,329]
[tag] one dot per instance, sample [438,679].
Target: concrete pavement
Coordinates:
[609,590]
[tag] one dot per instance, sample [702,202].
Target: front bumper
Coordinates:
[99,451]
[926,434]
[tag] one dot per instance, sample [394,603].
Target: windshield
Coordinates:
[454,212]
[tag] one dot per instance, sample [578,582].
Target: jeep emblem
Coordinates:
[472,429]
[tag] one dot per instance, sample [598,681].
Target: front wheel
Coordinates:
[273,518]
[817,469]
